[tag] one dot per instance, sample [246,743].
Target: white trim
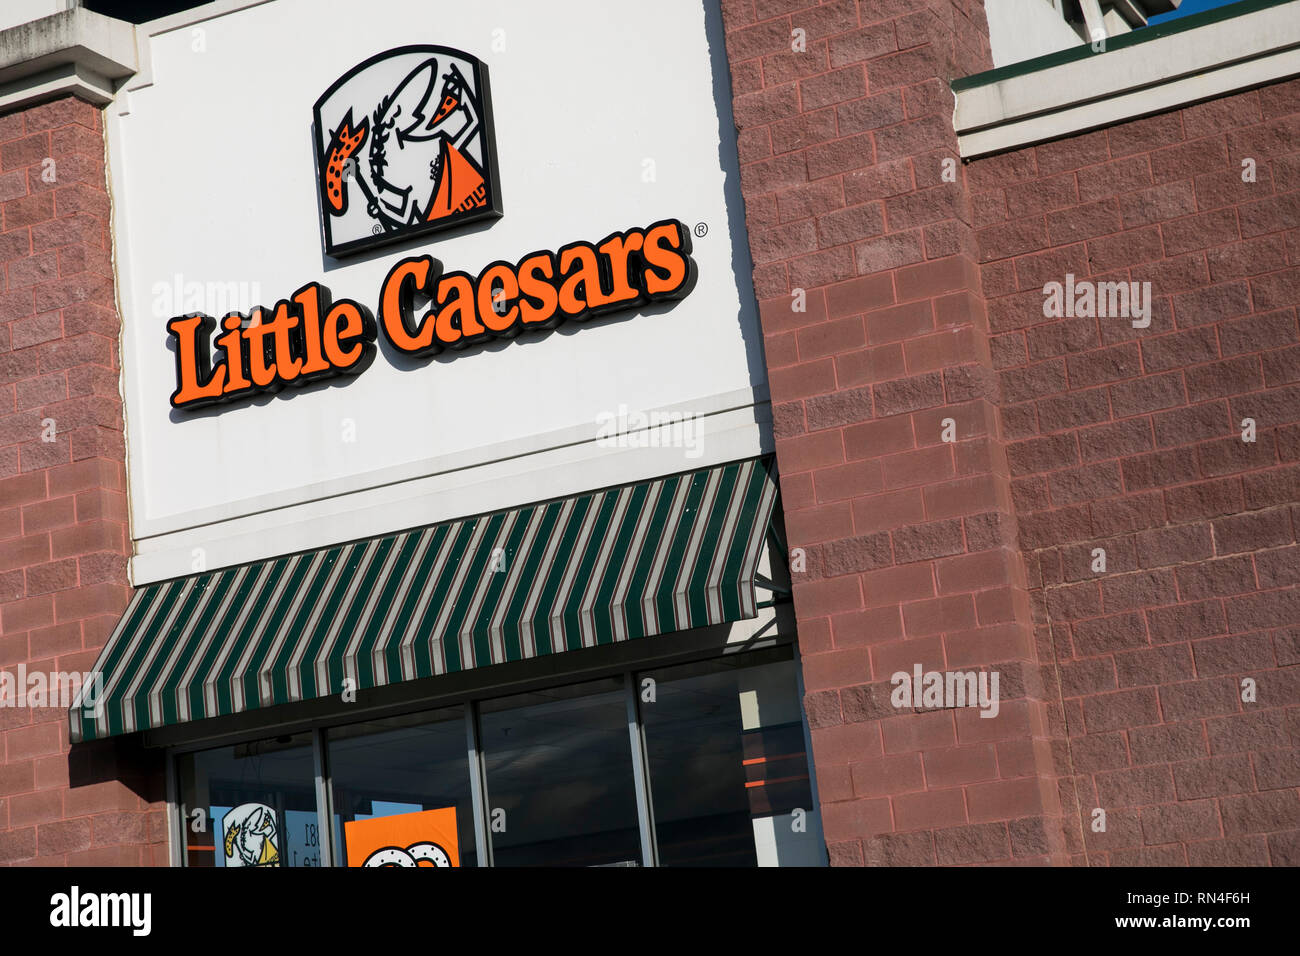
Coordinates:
[145,528]
[1209,61]
[145,32]
[551,471]
[75,52]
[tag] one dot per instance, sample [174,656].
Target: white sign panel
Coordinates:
[230,194]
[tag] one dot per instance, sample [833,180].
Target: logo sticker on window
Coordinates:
[404,147]
[425,838]
[250,836]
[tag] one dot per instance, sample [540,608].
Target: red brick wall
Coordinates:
[63,520]
[922,300]
[1130,440]
[909,540]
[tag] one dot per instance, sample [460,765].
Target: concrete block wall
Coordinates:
[895,297]
[1130,440]
[877,345]
[63,521]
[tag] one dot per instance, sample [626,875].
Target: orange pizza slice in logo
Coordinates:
[460,187]
[343,144]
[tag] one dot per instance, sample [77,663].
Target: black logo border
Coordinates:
[492,210]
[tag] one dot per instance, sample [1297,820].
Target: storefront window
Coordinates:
[252,804]
[559,777]
[728,770]
[402,791]
[722,741]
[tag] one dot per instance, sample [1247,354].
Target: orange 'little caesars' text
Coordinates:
[309,336]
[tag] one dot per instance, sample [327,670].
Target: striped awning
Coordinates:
[650,558]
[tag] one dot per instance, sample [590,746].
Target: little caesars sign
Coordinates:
[405,147]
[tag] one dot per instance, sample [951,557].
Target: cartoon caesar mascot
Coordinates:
[420,166]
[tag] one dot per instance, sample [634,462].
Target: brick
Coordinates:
[842,407]
[1186,622]
[1108,179]
[923,542]
[1180,822]
[917,467]
[1093,752]
[1278,568]
[856,819]
[1213,777]
[1013,238]
[1230,377]
[846,83]
[1125,592]
[1085,677]
[1109,634]
[1277,769]
[904,583]
[1249,851]
[1192,423]
[933,808]
[1071,410]
[900,849]
[1033,381]
[901,322]
[1083,222]
[1123,709]
[1139,136]
[856,554]
[1147,394]
[880,776]
[1180,349]
[980,843]
[1260,812]
[869,626]
[1201,698]
[1154,665]
[1091,481]
[877,438]
[1207,499]
[1234,655]
[1215,578]
[1004,798]
[909,394]
[1269,609]
[1158,204]
[1135,787]
[1167,742]
[1211,304]
[1236,733]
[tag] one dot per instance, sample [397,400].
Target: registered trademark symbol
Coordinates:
[701,229]
[376,229]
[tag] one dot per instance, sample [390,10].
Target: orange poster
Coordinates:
[426,838]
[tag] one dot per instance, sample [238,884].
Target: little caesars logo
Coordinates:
[404,147]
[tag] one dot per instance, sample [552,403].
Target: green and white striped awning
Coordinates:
[644,559]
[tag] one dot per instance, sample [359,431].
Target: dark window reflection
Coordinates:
[559,778]
[398,768]
[256,803]
[728,773]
